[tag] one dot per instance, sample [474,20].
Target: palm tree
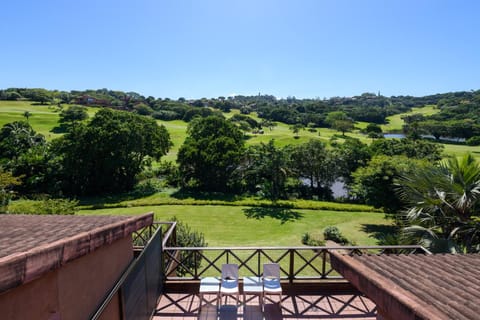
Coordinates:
[443,206]
[27,114]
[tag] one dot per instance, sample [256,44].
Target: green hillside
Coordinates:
[44,118]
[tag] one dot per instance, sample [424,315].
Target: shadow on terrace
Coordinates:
[163,281]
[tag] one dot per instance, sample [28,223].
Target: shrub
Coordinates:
[308,240]
[474,141]
[147,187]
[47,206]
[332,233]
[188,238]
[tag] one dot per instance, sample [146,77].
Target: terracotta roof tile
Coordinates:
[31,245]
[417,286]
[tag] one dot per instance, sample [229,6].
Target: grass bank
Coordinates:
[258,226]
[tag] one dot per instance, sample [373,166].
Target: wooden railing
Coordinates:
[296,263]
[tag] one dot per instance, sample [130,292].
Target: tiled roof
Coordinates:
[416,286]
[31,245]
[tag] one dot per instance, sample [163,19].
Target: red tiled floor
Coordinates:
[345,307]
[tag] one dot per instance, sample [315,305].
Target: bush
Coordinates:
[332,233]
[48,206]
[474,141]
[188,238]
[308,240]
[147,187]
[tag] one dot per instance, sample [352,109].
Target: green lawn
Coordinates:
[395,122]
[246,226]
[43,118]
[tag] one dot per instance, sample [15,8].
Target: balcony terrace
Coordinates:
[165,280]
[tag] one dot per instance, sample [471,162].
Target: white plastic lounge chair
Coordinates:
[271,281]
[229,284]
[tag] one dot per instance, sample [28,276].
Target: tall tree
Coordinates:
[73,114]
[16,138]
[268,167]
[106,154]
[349,156]
[210,154]
[313,162]
[339,121]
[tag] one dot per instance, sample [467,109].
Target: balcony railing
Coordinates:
[159,261]
[296,263]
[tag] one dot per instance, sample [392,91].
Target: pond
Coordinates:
[424,136]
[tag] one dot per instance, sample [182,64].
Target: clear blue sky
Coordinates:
[209,48]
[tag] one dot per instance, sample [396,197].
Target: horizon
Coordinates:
[305,49]
[252,95]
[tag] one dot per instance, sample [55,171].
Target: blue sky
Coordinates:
[211,48]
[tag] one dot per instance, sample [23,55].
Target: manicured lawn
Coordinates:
[395,122]
[246,226]
[43,118]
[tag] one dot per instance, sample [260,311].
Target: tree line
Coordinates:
[433,202]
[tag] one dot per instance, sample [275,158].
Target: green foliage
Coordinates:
[73,114]
[339,120]
[143,109]
[443,204]
[48,206]
[314,162]
[186,237]
[147,187]
[375,183]
[373,128]
[474,141]
[333,233]
[7,183]
[419,149]
[210,154]
[16,138]
[309,240]
[349,156]
[105,155]
[267,167]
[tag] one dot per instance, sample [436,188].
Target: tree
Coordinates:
[106,154]
[211,154]
[267,166]
[7,182]
[16,138]
[349,156]
[296,129]
[73,114]
[419,149]
[268,123]
[313,162]
[41,95]
[339,121]
[27,115]
[143,109]
[443,205]
[375,185]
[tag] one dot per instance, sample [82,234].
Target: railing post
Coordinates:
[324,263]
[258,262]
[291,267]
[195,259]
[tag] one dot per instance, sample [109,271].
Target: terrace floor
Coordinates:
[185,306]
